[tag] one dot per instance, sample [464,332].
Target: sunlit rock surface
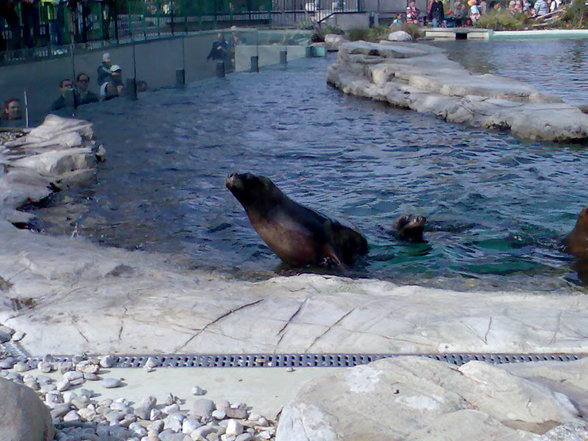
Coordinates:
[422,78]
[23,416]
[418,399]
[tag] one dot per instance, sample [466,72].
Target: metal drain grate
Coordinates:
[310,360]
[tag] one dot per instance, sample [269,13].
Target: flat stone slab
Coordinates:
[419,399]
[409,76]
[82,298]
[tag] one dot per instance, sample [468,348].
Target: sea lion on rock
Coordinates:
[576,242]
[410,228]
[298,235]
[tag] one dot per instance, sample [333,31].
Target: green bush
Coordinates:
[411,29]
[376,34]
[502,20]
[358,34]
[575,15]
[321,30]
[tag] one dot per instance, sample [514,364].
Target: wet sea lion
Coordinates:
[576,242]
[410,228]
[298,235]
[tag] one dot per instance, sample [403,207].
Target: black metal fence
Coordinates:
[26,25]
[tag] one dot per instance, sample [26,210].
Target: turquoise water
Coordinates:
[497,206]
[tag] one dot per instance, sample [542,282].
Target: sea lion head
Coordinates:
[254,190]
[576,242]
[410,227]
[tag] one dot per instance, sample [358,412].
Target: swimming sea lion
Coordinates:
[298,235]
[410,228]
[576,242]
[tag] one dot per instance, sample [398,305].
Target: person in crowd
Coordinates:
[12,110]
[49,11]
[518,7]
[541,8]
[66,95]
[437,14]
[82,94]
[8,13]
[218,51]
[483,7]
[554,5]
[412,13]
[459,12]
[114,87]
[104,69]
[474,11]
[527,8]
[398,20]
[29,12]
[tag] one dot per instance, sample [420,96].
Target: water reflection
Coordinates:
[496,205]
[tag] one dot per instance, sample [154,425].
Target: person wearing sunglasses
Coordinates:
[83,94]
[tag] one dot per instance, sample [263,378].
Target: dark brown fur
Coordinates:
[298,235]
[410,228]
[576,242]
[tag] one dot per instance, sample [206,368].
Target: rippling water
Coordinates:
[497,206]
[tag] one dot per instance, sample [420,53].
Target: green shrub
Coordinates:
[411,29]
[358,34]
[378,33]
[575,15]
[502,20]
[321,30]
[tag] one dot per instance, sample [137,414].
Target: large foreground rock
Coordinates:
[417,399]
[422,78]
[23,416]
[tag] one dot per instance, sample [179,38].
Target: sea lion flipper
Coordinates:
[332,257]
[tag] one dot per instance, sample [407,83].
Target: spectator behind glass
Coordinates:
[11,110]
[114,87]
[436,13]
[104,69]
[66,97]
[541,8]
[83,95]
[218,51]
[412,13]
[8,13]
[30,21]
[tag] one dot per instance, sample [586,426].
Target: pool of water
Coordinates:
[497,206]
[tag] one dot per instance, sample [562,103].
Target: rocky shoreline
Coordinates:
[422,78]
[64,295]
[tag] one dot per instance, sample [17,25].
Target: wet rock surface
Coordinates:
[422,78]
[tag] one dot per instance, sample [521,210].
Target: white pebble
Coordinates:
[18,336]
[21,367]
[45,367]
[72,415]
[111,383]
[172,408]
[197,390]
[219,414]
[190,425]
[107,361]
[155,414]
[234,427]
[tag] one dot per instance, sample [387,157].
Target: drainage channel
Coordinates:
[305,360]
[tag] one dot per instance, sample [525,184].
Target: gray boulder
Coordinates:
[417,399]
[399,36]
[23,416]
